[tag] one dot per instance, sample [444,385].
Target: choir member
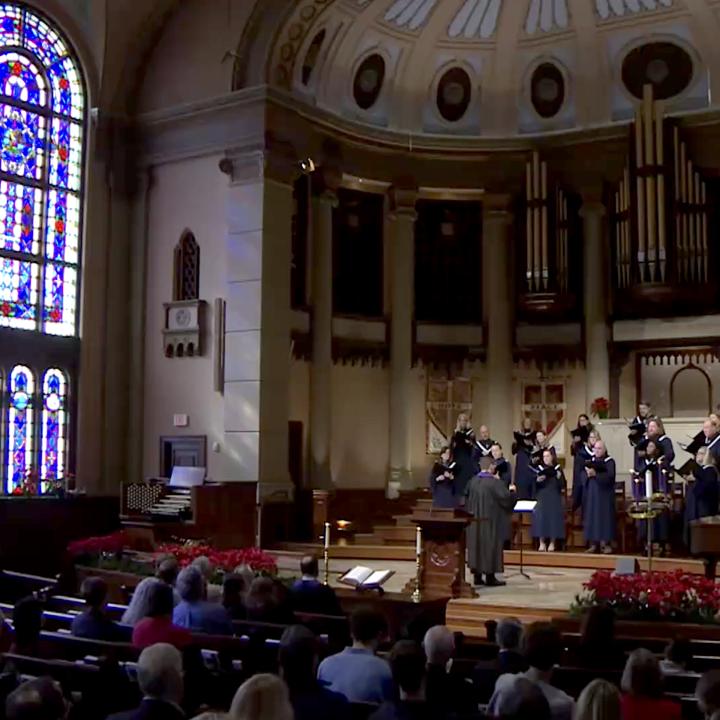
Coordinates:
[483,447]
[599,484]
[491,502]
[462,446]
[442,480]
[578,449]
[652,461]
[522,448]
[638,425]
[712,439]
[501,467]
[701,490]
[656,433]
[548,520]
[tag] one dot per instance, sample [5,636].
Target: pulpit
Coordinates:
[443,551]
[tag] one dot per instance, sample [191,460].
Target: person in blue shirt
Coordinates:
[309,595]
[93,623]
[356,672]
[194,612]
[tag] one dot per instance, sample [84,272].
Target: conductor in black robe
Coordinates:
[599,516]
[702,491]
[442,480]
[462,446]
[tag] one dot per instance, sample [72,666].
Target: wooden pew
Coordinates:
[15,585]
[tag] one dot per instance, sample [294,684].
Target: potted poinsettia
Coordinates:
[600,407]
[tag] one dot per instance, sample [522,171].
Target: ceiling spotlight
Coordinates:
[307,166]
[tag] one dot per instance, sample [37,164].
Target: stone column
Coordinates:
[597,362]
[324,200]
[401,228]
[257,324]
[497,278]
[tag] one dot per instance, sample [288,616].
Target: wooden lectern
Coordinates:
[443,551]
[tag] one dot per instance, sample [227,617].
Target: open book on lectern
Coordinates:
[525,506]
[365,577]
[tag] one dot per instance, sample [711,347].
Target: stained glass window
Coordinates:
[21,391]
[42,107]
[42,114]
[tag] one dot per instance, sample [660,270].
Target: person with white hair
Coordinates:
[139,602]
[38,699]
[160,677]
[262,697]
[194,612]
[445,691]
[213,593]
[642,686]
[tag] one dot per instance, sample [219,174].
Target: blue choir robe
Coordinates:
[582,454]
[599,501]
[661,524]
[443,488]
[637,437]
[462,445]
[482,454]
[548,520]
[713,447]
[701,497]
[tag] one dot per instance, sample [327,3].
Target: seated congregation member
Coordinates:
[137,609]
[508,636]
[167,570]
[309,595]
[266,602]
[707,693]
[642,688]
[491,502]
[442,480]
[600,700]
[27,626]
[548,519]
[444,690]
[542,648]
[194,612]
[157,626]
[160,678]
[357,672]
[599,499]
[597,647]
[233,597]
[38,699]
[521,699]
[298,660]
[93,623]
[407,662]
[213,593]
[702,490]
[262,697]
[678,657]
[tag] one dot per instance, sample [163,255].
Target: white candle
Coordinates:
[418,541]
[648,484]
[327,535]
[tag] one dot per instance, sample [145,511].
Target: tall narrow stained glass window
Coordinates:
[42,124]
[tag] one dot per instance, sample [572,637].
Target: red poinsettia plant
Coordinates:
[677,596]
[600,407]
[102,544]
[224,560]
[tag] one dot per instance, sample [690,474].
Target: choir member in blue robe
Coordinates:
[548,520]
[599,516]
[578,449]
[522,449]
[638,425]
[482,452]
[712,439]
[501,467]
[702,491]
[462,446]
[653,462]
[442,480]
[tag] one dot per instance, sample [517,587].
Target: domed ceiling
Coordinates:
[496,67]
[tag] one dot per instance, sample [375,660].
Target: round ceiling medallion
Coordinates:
[453,94]
[547,90]
[369,80]
[664,65]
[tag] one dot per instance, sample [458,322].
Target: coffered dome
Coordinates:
[496,67]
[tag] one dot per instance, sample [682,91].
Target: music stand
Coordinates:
[523,507]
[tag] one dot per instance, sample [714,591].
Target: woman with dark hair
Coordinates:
[642,688]
[581,453]
[264,603]
[597,647]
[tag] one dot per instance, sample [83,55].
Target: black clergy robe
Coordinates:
[491,502]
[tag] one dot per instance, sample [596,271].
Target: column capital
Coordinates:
[278,163]
[403,200]
[497,207]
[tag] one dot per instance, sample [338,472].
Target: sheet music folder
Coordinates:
[525,506]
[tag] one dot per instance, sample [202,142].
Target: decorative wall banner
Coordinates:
[544,402]
[445,399]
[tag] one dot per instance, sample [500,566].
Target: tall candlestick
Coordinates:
[326,539]
[417,594]
[326,555]
[418,541]
[648,484]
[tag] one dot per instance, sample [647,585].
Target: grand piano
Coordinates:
[189,508]
[705,542]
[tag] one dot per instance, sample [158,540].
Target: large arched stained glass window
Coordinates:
[41,146]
